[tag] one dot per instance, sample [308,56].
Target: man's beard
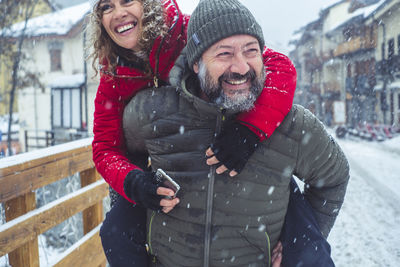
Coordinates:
[242,100]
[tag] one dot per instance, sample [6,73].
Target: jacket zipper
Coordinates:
[210,197]
[149,248]
[268,249]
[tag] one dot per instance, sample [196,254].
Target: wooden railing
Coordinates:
[21,175]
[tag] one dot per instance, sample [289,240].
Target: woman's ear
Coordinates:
[196,67]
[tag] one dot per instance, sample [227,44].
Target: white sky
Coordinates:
[278,18]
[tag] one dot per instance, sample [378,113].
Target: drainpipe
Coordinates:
[384,106]
[85,81]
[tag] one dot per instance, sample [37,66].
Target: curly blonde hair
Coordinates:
[106,52]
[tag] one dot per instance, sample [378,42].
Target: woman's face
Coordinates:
[122,20]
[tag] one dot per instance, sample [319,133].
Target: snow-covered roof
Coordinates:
[61,4]
[68,81]
[363,13]
[56,23]
[296,36]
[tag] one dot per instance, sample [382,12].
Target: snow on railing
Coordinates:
[22,175]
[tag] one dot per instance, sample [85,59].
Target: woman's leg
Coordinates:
[303,243]
[123,235]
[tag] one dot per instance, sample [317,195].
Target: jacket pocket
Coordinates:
[264,250]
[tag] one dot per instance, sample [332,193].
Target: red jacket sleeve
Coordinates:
[109,150]
[276,99]
[108,142]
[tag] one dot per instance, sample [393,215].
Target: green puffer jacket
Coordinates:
[229,221]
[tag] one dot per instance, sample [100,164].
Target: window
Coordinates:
[391,48]
[55,49]
[66,107]
[55,60]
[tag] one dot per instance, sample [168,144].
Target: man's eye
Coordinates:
[223,54]
[128,1]
[252,51]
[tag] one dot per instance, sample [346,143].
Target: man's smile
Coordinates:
[236,82]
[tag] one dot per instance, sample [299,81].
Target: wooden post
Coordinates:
[28,254]
[93,215]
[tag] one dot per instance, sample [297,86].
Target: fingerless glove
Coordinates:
[141,187]
[234,146]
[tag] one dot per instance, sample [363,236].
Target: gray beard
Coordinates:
[240,102]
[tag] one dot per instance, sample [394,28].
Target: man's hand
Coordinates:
[232,148]
[144,189]
[213,160]
[276,257]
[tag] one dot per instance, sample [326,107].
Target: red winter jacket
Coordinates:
[115,91]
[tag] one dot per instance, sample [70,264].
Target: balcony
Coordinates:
[332,86]
[354,45]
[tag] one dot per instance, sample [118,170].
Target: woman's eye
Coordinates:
[106,8]
[128,1]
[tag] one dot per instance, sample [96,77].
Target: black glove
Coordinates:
[141,187]
[234,146]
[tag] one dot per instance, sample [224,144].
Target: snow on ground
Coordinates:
[367,231]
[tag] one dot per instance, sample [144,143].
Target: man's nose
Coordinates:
[240,64]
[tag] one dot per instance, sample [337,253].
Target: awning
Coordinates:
[394,85]
[378,87]
[68,81]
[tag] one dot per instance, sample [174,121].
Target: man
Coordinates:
[222,220]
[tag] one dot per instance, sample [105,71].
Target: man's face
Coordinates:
[231,72]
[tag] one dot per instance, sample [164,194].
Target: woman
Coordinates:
[137,43]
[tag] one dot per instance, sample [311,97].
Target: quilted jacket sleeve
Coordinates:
[324,168]
[276,99]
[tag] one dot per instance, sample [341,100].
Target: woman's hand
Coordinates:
[167,204]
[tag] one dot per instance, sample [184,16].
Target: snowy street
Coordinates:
[367,231]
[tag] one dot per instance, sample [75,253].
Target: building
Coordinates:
[58,111]
[386,20]
[348,63]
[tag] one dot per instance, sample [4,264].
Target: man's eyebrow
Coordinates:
[231,47]
[224,47]
[251,43]
[104,1]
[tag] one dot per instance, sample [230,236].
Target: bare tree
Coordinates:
[11,43]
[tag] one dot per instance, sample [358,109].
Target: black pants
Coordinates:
[303,243]
[123,235]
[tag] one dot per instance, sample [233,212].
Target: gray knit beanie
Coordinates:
[214,20]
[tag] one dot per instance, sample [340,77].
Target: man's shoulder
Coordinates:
[298,120]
